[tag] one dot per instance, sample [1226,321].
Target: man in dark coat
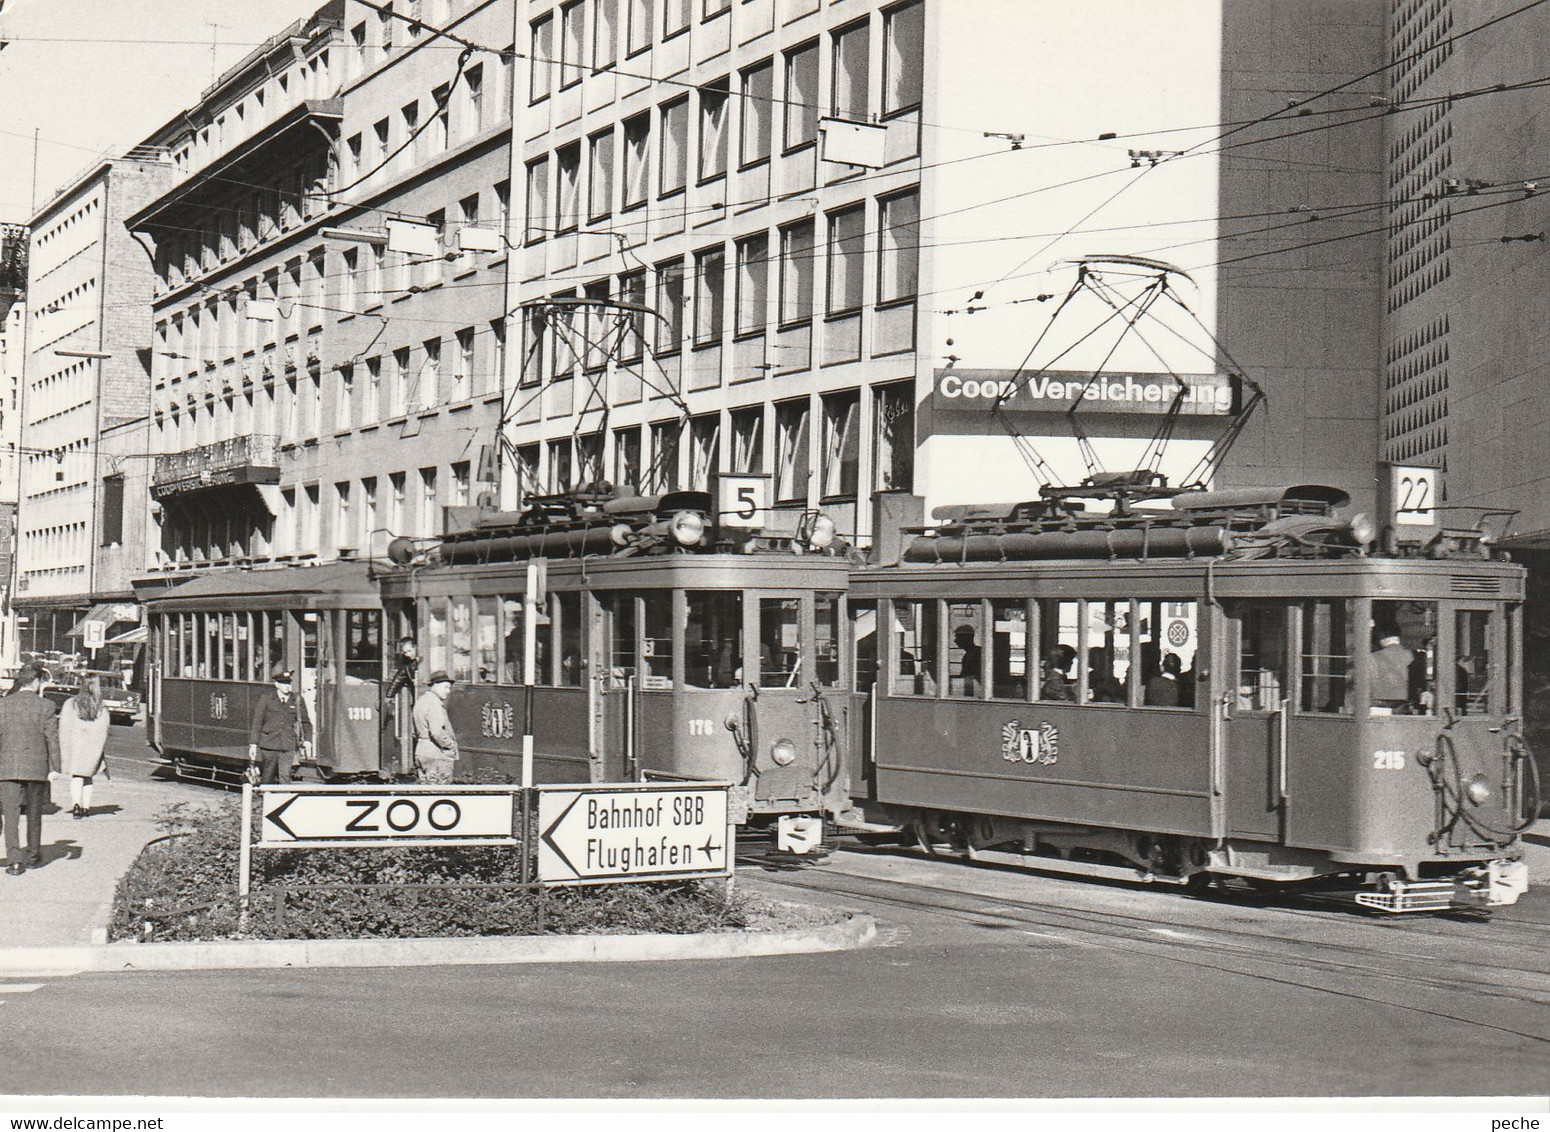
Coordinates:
[29,759]
[280,727]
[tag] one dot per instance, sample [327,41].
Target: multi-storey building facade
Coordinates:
[13,344]
[318,390]
[86,371]
[846,217]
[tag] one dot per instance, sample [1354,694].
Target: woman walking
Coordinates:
[83,733]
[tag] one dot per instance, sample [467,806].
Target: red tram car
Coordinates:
[1228,689]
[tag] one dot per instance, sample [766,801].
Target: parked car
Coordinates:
[122,702]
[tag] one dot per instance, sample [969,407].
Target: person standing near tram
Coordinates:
[280,727]
[435,743]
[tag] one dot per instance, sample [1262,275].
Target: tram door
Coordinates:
[614,683]
[356,703]
[307,680]
[1254,682]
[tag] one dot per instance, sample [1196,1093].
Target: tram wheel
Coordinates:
[937,834]
[1199,885]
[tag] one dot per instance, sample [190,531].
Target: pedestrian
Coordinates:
[280,727]
[83,738]
[435,743]
[29,761]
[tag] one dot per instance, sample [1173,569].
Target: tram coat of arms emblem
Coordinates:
[1040,745]
[497,720]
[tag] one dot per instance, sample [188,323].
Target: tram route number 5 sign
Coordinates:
[610,833]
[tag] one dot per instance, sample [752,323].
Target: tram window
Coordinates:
[516,643]
[228,646]
[1402,664]
[826,642]
[1168,636]
[567,608]
[1326,658]
[863,635]
[1472,662]
[1108,651]
[362,645]
[1261,672]
[657,641]
[621,608]
[713,639]
[276,642]
[436,652]
[916,629]
[1059,649]
[1514,664]
[780,642]
[965,649]
[1009,650]
[209,658]
[486,638]
[309,641]
[461,617]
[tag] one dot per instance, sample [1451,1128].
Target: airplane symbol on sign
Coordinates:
[710,850]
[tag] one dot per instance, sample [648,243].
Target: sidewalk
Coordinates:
[69,899]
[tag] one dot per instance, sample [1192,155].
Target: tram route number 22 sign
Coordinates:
[611,833]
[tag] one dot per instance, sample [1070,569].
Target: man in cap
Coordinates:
[29,761]
[435,743]
[280,727]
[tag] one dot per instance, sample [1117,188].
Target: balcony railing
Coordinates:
[239,460]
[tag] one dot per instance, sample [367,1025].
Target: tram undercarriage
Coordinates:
[1198,863]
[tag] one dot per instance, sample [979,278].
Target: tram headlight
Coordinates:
[822,535]
[1363,529]
[1477,791]
[688,528]
[784,752]
[619,534]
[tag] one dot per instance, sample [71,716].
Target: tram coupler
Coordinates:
[1495,884]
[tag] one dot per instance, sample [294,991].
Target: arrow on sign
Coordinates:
[548,835]
[274,817]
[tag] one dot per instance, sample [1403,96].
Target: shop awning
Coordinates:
[135,636]
[109,613]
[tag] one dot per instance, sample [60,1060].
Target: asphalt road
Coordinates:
[984,983]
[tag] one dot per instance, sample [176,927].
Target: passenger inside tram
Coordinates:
[1057,684]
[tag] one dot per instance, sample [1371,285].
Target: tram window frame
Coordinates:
[359,626]
[865,668]
[699,610]
[437,635]
[566,640]
[1154,616]
[1338,680]
[1430,679]
[513,657]
[655,618]
[966,685]
[1265,697]
[778,678]
[1474,691]
[278,635]
[486,653]
[1116,612]
[1004,682]
[919,679]
[1053,630]
[1512,657]
[828,669]
[460,638]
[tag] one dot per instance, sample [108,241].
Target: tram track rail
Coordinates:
[1350,970]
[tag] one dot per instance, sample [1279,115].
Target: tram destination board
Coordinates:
[610,833]
[315,817]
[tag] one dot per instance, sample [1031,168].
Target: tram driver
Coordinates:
[1391,682]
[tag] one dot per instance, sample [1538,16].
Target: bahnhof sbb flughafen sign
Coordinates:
[980,391]
[594,833]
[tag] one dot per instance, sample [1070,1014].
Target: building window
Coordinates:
[569,165]
[410,116]
[468,208]
[347,280]
[538,221]
[802,96]
[704,450]
[796,273]
[112,510]
[637,142]
[670,306]
[748,440]
[376,274]
[344,411]
[462,375]
[846,230]
[713,130]
[573,38]
[627,457]
[400,390]
[589,459]
[595,325]
[344,533]
[473,101]
[369,517]
[753,274]
[605,34]
[430,375]
[664,456]
[709,296]
[397,503]
[675,17]
[541,39]
[841,444]
[849,98]
[460,483]
[439,131]
[498,352]
[430,520]
[310,506]
[894,452]
[903,56]
[758,110]
[536,331]
[673,157]
[371,404]
[600,175]
[898,247]
[642,16]
[559,466]
[791,459]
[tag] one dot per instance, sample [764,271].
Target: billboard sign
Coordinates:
[1054,391]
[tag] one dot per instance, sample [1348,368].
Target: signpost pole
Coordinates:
[529,659]
[245,857]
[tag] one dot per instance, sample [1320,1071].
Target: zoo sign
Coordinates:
[316,817]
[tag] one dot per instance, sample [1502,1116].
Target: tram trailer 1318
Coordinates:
[1230,689]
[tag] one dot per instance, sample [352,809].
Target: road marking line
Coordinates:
[1041,935]
[20,988]
[1171,933]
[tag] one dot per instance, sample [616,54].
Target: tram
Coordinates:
[216,641]
[1230,688]
[672,643]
